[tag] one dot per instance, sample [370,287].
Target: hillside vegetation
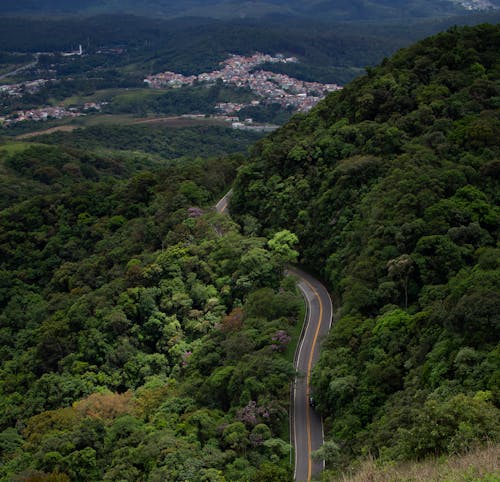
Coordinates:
[134,345]
[328,52]
[168,142]
[332,9]
[479,464]
[392,187]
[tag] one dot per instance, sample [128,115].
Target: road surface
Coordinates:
[306,423]
[20,69]
[307,426]
[222,205]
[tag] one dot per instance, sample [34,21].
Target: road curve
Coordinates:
[306,423]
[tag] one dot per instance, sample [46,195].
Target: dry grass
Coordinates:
[70,124]
[50,130]
[479,465]
[181,121]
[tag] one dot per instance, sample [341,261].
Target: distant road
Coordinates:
[20,69]
[307,425]
[222,205]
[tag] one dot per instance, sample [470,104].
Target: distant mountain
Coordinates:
[326,9]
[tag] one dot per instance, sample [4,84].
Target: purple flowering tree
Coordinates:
[185,357]
[280,340]
[252,414]
[194,212]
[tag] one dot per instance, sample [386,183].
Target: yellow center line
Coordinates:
[308,375]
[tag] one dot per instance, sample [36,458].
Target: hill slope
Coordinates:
[392,187]
[339,10]
[132,342]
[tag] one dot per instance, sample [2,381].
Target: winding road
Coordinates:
[306,425]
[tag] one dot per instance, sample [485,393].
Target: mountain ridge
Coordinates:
[383,184]
[326,9]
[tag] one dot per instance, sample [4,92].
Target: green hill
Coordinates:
[132,342]
[338,9]
[392,187]
[145,337]
[328,51]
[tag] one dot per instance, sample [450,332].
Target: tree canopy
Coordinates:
[132,342]
[392,188]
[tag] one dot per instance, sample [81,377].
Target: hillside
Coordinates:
[392,188]
[133,342]
[331,9]
[145,337]
[119,51]
[478,464]
[191,45]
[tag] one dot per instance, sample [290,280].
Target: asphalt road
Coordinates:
[221,206]
[306,423]
[307,426]
[20,69]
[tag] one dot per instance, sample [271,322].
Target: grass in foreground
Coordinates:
[482,464]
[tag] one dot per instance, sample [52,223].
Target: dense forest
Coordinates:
[143,336]
[199,99]
[331,9]
[167,142]
[333,52]
[392,186]
[134,343]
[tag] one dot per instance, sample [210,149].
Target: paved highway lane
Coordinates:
[307,426]
[221,206]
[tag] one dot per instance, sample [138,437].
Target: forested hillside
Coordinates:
[170,143]
[144,337]
[134,342]
[392,186]
[195,45]
[328,52]
[332,9]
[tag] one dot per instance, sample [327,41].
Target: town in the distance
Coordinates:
[237,71]
[242,71]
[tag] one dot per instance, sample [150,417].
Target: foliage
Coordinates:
[132,343]
[169,143]
[392,189]
[338,10]
[199,99]
[120,50]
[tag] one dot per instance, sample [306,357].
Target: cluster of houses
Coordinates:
[18,90]
[477,5]
[239,71]
[48,113]
[41,114]
[242,71]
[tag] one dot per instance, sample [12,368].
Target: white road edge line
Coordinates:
[306,293]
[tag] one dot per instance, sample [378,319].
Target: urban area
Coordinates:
[241,71]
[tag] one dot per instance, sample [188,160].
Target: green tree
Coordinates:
[282,243]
